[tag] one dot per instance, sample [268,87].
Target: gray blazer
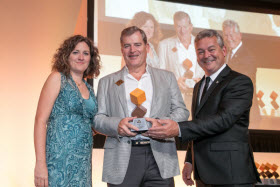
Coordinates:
[167,103]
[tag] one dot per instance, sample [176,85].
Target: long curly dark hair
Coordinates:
[60,61]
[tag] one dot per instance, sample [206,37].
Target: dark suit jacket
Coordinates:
[219,130]
[243,61]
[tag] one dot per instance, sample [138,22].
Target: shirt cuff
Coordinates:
[179,131]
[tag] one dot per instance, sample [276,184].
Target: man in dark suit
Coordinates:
[240,59]
[219,152]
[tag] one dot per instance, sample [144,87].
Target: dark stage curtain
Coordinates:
[265,140]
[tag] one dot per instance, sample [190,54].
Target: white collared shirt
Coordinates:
[235,50]
[145,84]
[182,55]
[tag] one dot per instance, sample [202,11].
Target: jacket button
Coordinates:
[128,142]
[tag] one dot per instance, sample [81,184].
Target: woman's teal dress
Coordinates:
[69,137]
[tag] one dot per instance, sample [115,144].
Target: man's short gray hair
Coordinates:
[232,24]
[181,15]
[209,33]
[131,30]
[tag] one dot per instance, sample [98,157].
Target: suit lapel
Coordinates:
[155,92]
[120,90]
[217,81]
[195,96]
[238,52]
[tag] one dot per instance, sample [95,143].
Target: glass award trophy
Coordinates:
[137,97]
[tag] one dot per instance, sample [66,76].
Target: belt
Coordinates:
[140,142]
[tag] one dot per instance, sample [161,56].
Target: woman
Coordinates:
[62,132]
[150,26]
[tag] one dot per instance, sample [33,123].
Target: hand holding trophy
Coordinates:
[137,97]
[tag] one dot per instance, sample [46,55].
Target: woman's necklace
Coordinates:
[79,84]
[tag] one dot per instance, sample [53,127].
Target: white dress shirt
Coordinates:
[235,50]
[145,84]
[172,53]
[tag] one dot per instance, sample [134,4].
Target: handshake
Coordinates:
[150,127]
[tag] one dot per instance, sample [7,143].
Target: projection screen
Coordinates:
[260,36]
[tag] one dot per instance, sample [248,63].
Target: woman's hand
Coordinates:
[41,174]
